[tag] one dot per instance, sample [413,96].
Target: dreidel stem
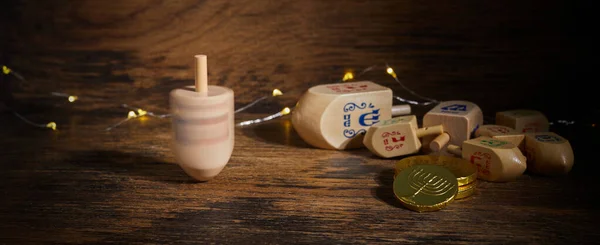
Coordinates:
[439,142]
[400,110]
[454,149]
[426,131]
[201,75]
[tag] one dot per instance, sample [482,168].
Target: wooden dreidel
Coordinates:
[502,133]
[524,121]
[336,116]
[548,153]
[397,136]
[496,160]
[459,119]
[203,126]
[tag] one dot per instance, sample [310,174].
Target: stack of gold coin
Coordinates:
[425,187]
[464,172]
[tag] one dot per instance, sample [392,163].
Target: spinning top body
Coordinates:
[335,116]
[548,153]
[203,126]
[496,160]
[459,119]
[524,121]
[203,130]
[397,136]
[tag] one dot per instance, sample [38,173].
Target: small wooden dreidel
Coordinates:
[502,133]
[548,153]
[524,121]
[336,116]
[203,126]
[397,136]
[496,160]
[459,119]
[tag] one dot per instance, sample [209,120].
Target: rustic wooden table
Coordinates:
[84,185]
[81,184]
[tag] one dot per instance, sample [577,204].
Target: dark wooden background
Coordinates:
[83,185]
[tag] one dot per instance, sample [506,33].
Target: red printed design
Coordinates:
[482,161]
[397,140]
[347,88]
[500,130]
[530,128]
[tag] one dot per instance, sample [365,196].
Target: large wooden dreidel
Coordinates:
[502,133]
[524,121]
[459,119]
[336,116]
[203,126]
[397,136]
[548,153]
[496,160]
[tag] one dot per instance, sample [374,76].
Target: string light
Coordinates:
[50,125]
[139,113]
[392,73]
[70,98]
[348,76]
[276,92]
[281,113]
[131,114]
[6,70]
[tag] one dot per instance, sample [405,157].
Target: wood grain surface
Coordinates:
[84,185]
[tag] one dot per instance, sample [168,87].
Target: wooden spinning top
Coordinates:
[548,153]
[335,116]
[203,125]
[459,119]
[524,121]
[397,136]
[496,160]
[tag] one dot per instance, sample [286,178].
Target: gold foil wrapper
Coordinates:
[466,190]
[425,188]
[464,171]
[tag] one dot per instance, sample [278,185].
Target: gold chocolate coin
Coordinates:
[425,187]
[464,171]
[466,190]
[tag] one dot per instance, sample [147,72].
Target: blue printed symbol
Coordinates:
[455,107]
[349,133]
[347,120]
[351,106]
[368,119]
[547,138]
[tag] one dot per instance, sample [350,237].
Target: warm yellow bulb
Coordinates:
[141,112]
[5,70]
[285,111]
[131,114]
[348,76]
[277,92]
[390,70]
[51,125]
[72,98]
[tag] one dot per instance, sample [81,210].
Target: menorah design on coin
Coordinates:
[427,183]
[425,187]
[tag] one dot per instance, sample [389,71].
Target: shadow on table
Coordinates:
[279,132]
[385,190]
[131,165]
